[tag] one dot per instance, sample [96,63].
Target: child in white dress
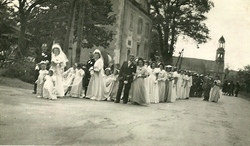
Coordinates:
[49,91]
[40,80]
[69,77]
[116,84]
[76,89]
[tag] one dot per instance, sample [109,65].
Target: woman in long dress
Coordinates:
[58,63]
[215,90]
[146,79]
[173,87]
[153,89]
[189,84]
[183,84]
[162,76]
[168,83]
[96,89]
[138,91]
[76,89]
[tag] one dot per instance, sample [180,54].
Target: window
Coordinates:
[140,26]
[131,20]
[146,50]
[137,50]
[147,30]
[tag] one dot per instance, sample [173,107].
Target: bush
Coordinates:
[21,70]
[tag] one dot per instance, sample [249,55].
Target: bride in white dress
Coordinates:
[58,63]
[97,89]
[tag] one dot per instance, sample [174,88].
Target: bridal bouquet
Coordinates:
[91,70]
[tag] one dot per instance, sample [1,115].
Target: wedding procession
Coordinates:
[125,72]
[137,81]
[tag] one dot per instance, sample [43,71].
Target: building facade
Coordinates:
[132,31]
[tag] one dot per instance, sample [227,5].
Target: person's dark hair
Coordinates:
[153,62]
[140,59]
[161,64]
[79,65]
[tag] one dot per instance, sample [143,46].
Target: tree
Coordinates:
[172,18]
[55,18]
[7,23]
[244,77]
[49,22]
[24,9]
[96,16]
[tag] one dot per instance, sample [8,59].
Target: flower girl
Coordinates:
[49,91]
[40,80]
[76,89]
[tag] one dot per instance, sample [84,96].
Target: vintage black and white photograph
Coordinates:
[125,72]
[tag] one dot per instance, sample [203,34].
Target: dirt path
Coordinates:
[25,119]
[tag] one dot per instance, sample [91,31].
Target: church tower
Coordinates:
[220,57]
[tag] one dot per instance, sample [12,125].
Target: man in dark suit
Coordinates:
[127,71]
[44,55]
[87,76]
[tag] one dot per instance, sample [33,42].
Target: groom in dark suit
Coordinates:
[125,77]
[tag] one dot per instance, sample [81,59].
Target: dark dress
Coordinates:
[237,88]
[207,87]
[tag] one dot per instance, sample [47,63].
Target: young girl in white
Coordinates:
[116,84]
[49,91]
[76,89]
[69,77]
[40,80]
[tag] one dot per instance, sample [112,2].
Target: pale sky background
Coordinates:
[230,18]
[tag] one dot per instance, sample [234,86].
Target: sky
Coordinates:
[230,18]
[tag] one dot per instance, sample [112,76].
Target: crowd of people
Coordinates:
[137,81]
[230,89]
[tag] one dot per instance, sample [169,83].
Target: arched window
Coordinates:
[140,26]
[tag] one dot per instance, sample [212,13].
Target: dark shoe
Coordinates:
[124,102]
[34,92]
[117,102]
[187,98]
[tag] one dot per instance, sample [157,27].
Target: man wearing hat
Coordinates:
[44,56]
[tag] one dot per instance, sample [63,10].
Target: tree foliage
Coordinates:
[173,18]
[47,20]
[7,23]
